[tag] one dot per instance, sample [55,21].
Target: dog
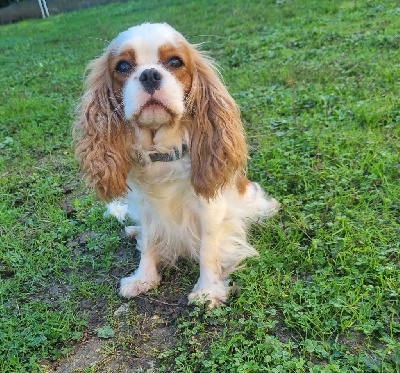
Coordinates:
[158,134]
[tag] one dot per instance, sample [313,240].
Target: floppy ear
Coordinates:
[101,135]
[218,145]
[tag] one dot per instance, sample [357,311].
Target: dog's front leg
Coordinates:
[146,276]
[211,286]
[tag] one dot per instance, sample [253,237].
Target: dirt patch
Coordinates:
[142,328]
[87,354]
[138,330]
[71,192]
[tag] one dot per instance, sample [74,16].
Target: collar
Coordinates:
[174,155]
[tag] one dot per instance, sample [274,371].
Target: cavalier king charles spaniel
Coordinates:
[157,133]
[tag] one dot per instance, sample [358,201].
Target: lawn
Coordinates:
[318,86]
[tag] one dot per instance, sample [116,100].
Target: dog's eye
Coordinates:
[123,67]
[175,62]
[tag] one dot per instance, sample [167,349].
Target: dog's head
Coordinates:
[150,77]
[151,73]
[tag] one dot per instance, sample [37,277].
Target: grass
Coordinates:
[317,82]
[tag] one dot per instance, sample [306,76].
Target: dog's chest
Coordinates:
[175,202]
[164,191]
[170,213]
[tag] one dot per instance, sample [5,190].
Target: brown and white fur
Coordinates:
[152,92]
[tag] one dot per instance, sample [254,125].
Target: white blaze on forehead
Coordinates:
[146,39]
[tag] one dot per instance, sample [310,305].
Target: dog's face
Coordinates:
[151,72]
[151,78]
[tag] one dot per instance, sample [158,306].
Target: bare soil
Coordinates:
[144,327]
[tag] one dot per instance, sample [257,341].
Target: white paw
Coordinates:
[134,285]
[214,295]
[132,230]
[260,205]
[117,208]
[272,207]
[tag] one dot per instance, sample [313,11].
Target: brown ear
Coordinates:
[218,146]
[101,135]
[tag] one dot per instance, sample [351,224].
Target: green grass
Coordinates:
[317,82]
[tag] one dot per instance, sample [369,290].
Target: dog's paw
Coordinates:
[208,300]
[132,230]
[260,205]
[134,285]
[212,297]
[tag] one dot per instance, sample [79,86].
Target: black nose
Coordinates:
[150,79]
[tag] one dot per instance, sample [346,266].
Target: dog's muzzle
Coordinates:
[150,80]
